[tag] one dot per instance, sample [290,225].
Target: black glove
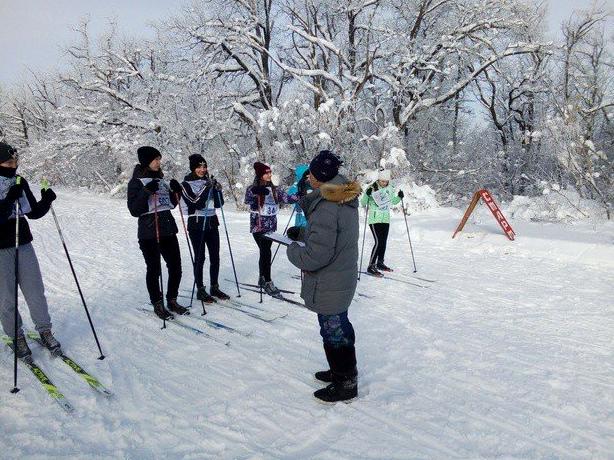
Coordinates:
[175,186]
[260,190]
[48,195]
[294,233]
[14,192]
[369,191]
[400,194]
[216,185]
[152,187]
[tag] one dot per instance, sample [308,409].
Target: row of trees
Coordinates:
[453,93]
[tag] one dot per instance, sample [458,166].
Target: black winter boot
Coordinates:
[162,312]
[176,308]
[344,389]
[344,386]
[204,296]
[373,271]
[217,292]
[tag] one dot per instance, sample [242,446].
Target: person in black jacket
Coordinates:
[30,279]
[202,194]
[151,198]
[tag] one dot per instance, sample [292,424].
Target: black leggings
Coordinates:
[169,249]
[380,235]
[264,262]
[210,239]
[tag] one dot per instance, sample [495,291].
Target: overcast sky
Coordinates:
[34,32]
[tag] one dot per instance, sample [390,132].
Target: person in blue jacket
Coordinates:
[300,187]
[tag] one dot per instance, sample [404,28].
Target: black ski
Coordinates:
[285,291]
[89,379]
[279,297]
[185,326]
[392,278]
[45,381]
[239,306]
[216,325]
[360,294]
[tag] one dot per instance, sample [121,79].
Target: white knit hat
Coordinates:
[384,174]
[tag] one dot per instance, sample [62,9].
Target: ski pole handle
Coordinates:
[18,180]
[45,184]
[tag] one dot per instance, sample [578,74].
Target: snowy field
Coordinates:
[508,354]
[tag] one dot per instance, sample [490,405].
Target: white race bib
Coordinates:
[382,199]
[161,200]
[24,205]
[269,208]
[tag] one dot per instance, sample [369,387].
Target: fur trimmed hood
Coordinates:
[340,193]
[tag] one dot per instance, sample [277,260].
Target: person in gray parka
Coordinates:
[329,262]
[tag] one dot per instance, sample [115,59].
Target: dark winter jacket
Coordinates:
[28,207]
[201,198]
[329,259]
[263,210]
[142,205]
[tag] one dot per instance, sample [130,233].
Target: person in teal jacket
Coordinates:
[300,187]
[380,197]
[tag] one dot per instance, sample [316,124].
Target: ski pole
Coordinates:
[187,239]
[232,260]
[45,186]
[408,237]
[364,234]
[285,230]
[16,313]
[201,250]
[155,196]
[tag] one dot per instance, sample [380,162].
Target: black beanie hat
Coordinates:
[7,152]
[325,166]
[147,155]
[196,160]
[261,169]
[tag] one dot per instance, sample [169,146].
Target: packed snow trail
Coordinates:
[509,353]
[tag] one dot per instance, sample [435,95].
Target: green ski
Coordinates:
[89,379]
[45,381]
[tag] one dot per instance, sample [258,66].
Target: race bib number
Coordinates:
[269,208]
[382,199]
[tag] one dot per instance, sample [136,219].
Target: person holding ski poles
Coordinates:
[300,187]
[29,275]
[329,261]
[263,199]
[380,197]
[202,194]
[151,198]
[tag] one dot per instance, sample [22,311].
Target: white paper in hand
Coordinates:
[279,238]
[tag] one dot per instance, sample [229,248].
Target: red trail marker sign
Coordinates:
[494,208]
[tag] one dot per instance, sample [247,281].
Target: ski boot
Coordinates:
[381,266]
[50,342]
[373,271]
[176,308]
[203,296]
[272,290]
[23,350]
[216,292]
[162,312]
[324,376]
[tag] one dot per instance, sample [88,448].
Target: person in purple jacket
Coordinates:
[263,199]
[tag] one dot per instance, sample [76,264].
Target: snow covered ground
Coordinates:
[509,354]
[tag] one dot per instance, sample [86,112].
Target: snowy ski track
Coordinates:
[509,354]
